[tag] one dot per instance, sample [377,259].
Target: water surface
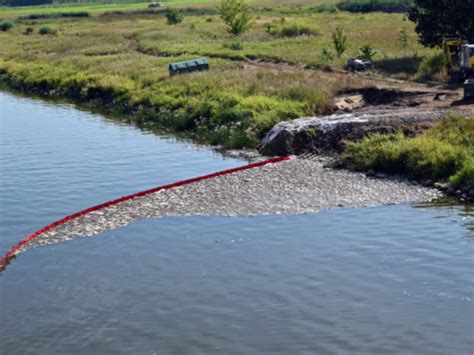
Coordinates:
[57,160]
[389,279]
[400,282]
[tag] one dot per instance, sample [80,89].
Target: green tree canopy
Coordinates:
[236,15]
[437,18]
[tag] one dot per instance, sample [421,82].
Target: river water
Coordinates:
[388,279]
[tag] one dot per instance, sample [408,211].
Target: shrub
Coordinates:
[403,38]
[324,8]
[5,26]
[465,176]
[390,6]
[28,31]
[339,40]
[41,16]
[442,153]
[326,56]
[268,27]
[174,16]
[432,66]
[235,46]
[431,158]
[236,15]
[455,129]
[209,19]
[376,152]
[46,30]
[367,52]
[420,158]
[296,29]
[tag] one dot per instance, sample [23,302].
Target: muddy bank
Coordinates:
[286,188]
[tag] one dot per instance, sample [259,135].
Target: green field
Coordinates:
[120,60]
[93,7]
[123,5]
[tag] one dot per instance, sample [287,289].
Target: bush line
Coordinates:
[444,154]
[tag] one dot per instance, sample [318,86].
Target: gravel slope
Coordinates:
[290,187]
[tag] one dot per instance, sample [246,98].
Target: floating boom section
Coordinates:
[23,244]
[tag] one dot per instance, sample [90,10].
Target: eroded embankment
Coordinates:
[329,134]
[289,187]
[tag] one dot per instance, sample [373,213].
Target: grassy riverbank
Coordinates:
[283,67]
[119,60]
[443,154]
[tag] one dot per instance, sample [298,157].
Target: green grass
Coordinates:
[94,7]
[443,153]
[297,37]
[464,176]
[433,67]
[121,60]
[98,7]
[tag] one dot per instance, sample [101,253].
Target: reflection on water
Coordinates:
[450,207]
[56,160]
[378,280]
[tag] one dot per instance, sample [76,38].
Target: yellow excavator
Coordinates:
[460,55]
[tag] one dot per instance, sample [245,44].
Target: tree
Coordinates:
[437,18]
[340,41]
[236,15]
